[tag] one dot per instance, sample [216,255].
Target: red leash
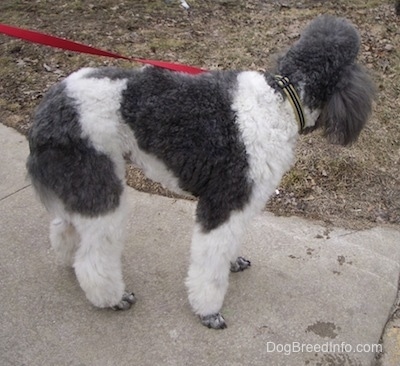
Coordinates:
[64,44]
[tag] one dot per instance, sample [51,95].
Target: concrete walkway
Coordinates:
[311,297]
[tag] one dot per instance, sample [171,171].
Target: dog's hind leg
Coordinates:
[98,260]
[64,240]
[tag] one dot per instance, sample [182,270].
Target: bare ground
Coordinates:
[354,187]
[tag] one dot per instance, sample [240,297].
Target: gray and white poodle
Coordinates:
[226,137]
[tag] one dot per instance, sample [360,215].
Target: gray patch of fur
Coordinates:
[187,122]
[349,107]
[62,164]
[322,63]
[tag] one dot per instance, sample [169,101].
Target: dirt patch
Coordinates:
[354,187]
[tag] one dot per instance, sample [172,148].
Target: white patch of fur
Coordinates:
[93,246]
[310,115]
[155,169]
[269,131]
[98,102]
[211,254]
[64,240]
[97,261]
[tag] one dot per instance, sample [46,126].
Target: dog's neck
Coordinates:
[306,118]
[294,99]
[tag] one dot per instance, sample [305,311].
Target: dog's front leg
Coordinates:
[212,258]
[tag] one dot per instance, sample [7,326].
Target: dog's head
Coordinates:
[323,64]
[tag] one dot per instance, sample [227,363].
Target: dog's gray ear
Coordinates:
[348,107]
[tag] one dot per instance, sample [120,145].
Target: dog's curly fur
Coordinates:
[226,137]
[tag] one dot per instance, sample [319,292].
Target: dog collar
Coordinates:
[294,99]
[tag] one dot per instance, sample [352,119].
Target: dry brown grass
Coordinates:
[354,187]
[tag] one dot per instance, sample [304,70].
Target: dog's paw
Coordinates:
[240,264]
[214,321]
[128,299]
